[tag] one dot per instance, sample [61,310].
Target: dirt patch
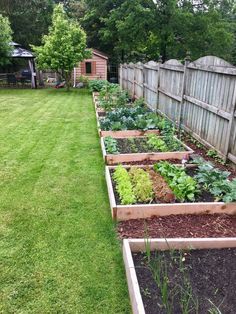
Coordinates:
[203,274]
[179,226]
[139,145]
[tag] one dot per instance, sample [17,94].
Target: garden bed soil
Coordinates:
[127,154]
[202,205]
[137,145]
[179,226]
[211,274]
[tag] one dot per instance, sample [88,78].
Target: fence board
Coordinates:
[202,95]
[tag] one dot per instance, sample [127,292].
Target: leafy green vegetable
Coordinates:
[97,85]
[142,184]
[215,181]
[124,186]
[156,143]
[111,145]
[183,186]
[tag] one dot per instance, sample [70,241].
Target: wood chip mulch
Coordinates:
[176,226]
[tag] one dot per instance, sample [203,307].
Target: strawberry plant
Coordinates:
[124,186]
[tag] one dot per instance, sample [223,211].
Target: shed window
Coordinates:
[88,67]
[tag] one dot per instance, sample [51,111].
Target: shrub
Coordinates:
[97,85]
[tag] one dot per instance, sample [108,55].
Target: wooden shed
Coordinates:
[94,68]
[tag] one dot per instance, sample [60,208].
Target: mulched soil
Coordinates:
[203,153]
[179,226]
[210,273]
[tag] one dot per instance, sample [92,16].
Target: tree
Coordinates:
[29,19]
[63,47]
[5,39]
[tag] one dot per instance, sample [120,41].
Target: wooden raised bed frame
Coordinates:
[138,211]
[138,245]
[117,134]
[112,159]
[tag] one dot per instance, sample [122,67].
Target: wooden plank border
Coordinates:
[140,211]
[112,159]
[138,245]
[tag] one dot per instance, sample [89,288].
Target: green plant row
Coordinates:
[97,85]
[111,145]
[183,186]
[132,186]
[133,118]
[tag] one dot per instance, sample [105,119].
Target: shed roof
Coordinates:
[99,53]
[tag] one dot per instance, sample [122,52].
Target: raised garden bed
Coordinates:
[174,274]
[132,149]
[167,204]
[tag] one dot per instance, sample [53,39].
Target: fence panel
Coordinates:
[201,95]
[171,89]
[151,84]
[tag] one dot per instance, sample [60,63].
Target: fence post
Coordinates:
[230,127]
[158,81]
[143,75]
[134,80]
[121,76]
[186,63]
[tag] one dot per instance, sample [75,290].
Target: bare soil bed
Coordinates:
[140,145]
[179,226]
[209,276]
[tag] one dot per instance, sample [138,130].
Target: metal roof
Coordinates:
[19,52]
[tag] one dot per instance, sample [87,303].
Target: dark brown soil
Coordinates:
[137,145]
[152,162]
[101,114]
[179,226]
[211,275]
[162,191]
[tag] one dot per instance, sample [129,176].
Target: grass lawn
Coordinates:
[58,247]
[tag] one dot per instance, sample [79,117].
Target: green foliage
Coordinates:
[29,19]
[213,154]
[216,181]
[97,85]
[5,39]
[130,118]
[183,186]
[167,28]
[156,143]
[142,184]
[111,145]
[63,47]
[124,186]
[111,97]
[230,196]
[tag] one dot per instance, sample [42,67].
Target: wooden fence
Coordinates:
[200,95]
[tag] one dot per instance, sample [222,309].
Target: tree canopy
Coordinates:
[63,47]
[138,29]
[5,39]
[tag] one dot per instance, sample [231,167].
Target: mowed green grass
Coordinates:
[58,247]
